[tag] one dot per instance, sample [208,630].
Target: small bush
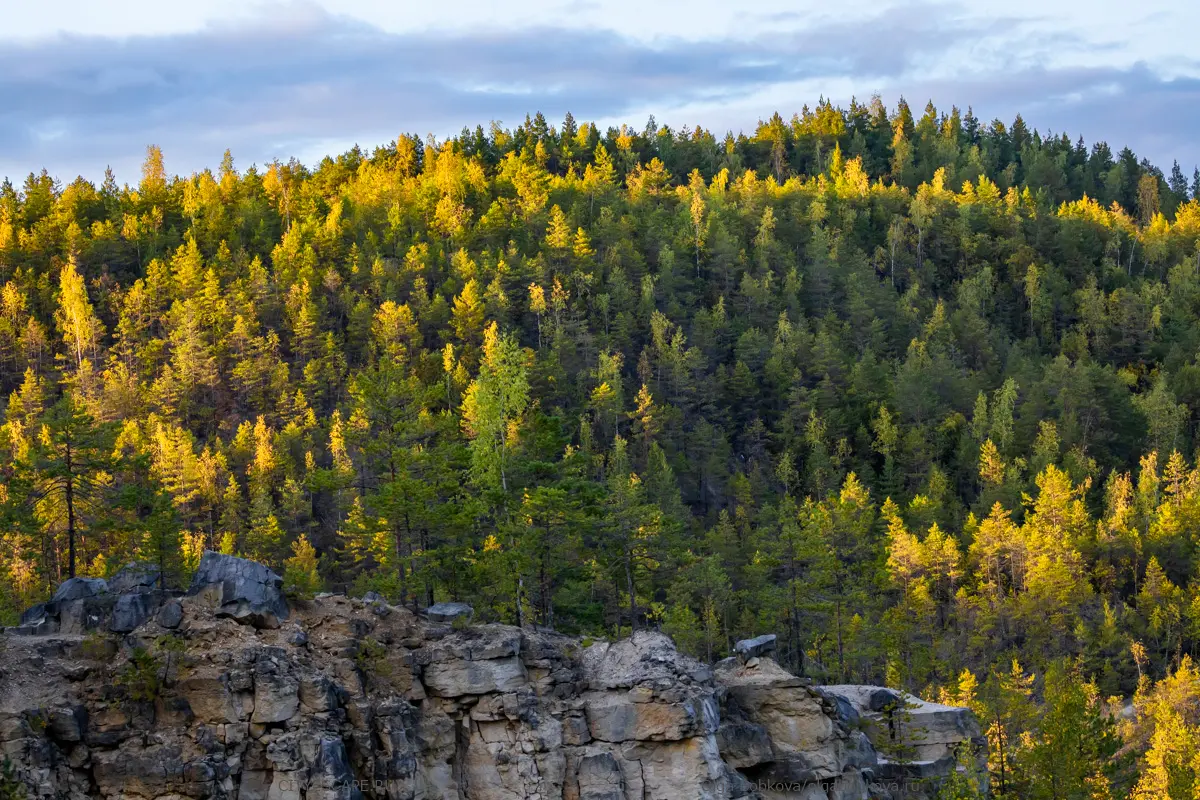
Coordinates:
[95,646]
[10,787]
[140,677]
[371,659]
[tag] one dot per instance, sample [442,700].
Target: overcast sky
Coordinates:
[89,83]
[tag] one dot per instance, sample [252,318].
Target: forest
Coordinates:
[919,394]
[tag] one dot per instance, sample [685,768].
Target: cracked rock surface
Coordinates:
[341,698]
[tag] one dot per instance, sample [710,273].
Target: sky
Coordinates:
[86,84]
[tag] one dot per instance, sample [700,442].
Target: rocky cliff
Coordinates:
[120,690]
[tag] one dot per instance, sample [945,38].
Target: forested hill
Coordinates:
[919,395]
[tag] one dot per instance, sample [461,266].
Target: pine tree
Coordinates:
[493,405]
[68,468]
[300,577]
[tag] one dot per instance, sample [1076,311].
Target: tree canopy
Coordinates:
[918,394]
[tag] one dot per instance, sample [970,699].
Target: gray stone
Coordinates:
[883,700]
[457,678]
[131,610]
[755,648]
[244,590]
[67,723]
[848,786]
[135,577]
[276,698]
[171,614]
[318,693]
[84,614]
[38,612]
[331,777]
[646,657]
[43,626]
[846,712]
[599,778]
[487,712]
[256,785]
[744,744]
[80,588]
[448,612]
[935,730]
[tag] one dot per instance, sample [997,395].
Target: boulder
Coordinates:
[131,610]
[755,648]
[38,620]
[135,577]
[67,723]
[85,614]
[448,612]
[35,613]
[79,589]
[171,614]
[244,590]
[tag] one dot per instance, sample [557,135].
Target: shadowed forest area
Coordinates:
[919,394]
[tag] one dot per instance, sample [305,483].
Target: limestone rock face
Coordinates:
[241,589]
[807,743]
[341,699]
[929,733]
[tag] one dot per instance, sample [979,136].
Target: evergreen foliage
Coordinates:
[919,395]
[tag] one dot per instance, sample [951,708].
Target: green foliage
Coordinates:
[300,577]
[37,721]
[97,646]
[964,783]
[1075,744]
[141,678]
[370,657]
[10,787]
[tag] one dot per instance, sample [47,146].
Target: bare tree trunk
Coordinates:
[70,514]
[632,595]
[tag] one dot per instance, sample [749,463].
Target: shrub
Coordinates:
[139,678]
[10,787]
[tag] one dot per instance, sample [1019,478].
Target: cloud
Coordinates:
[298,78]
[1155,116]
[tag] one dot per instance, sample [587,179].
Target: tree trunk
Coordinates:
[632,595]
[841,651]
[70,498]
